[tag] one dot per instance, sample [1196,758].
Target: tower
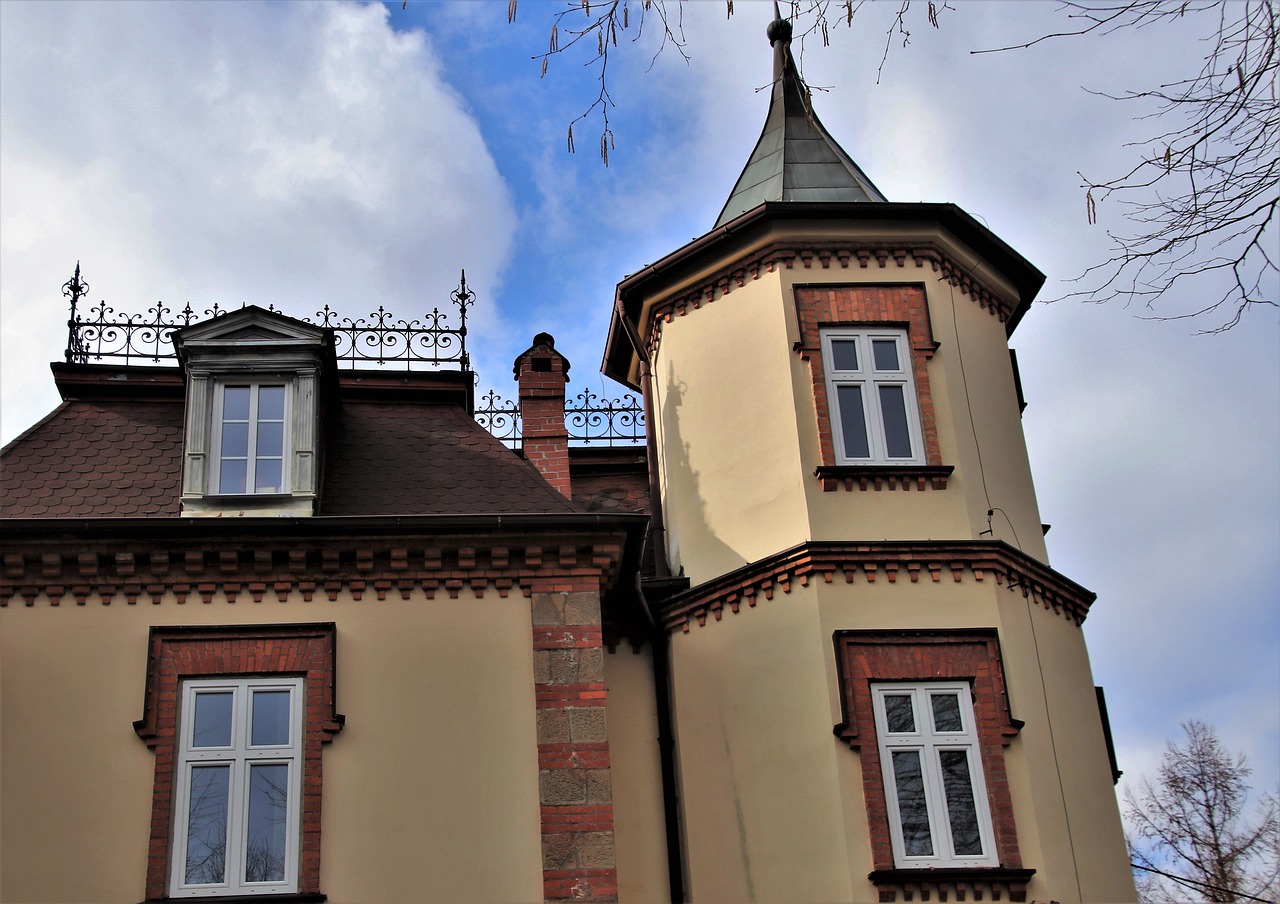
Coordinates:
[880,687]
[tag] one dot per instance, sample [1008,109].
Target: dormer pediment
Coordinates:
[250,326]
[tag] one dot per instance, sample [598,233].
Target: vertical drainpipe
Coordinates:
[659,639]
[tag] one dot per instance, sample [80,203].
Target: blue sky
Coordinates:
[354,155]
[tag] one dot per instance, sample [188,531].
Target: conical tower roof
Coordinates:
[796,159]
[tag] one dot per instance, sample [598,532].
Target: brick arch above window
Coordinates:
[176,654]
[901,306]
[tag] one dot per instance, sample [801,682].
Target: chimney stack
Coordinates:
[542,373]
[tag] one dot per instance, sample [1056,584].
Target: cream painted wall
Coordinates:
[730,467]
[639,826]
[758,765]
[433,780]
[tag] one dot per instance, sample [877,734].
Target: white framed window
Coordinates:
[872,397]
[238,788]
[250,438]
[933,779]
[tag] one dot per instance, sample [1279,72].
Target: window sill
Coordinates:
[978,883]
[880,477]
[295,897]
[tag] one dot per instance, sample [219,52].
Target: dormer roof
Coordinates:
[796,159]
[251,328]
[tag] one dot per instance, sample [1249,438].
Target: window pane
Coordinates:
[960,807]
[885,352]
[207,825]
[268,820]
[271,403]
[844,354]
[211,724]
[898,712]
[270,440]
[267,477]
[270,718]
[235,403]
[235,440]
[853,422]
[913,809]
[231,478]
[893,408]
[946,712]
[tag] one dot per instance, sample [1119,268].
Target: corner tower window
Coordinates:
[251,438]
[933,779]
[872,397]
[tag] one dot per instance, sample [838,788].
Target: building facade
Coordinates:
[279,625]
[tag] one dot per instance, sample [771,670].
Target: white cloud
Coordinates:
[295,154]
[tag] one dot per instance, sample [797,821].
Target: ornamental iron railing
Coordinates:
[589,419]
[379,339]
[110,336]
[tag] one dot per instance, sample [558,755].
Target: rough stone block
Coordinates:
[563,666]
[541,667]
[587,725]
[562,786]
[548,608]
[599,786]
[582,608]
[596,856]
[553,727]
[559,851]
[591,664]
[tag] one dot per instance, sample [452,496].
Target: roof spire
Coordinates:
[796,159]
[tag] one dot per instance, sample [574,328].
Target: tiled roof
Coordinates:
[427,459]
[96,459]
[123,459]
[796,159]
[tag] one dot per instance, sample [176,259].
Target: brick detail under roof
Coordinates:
[542,373]
[180,653]
[574,782]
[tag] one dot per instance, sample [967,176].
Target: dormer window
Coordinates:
[252,444]
[252,438]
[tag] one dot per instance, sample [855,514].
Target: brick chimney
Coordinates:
[542,372]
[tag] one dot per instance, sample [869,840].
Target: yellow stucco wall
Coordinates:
[639,826]
[432,782]
[774,807]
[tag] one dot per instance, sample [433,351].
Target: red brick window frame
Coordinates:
[177,654]
[903,307]
[864,658]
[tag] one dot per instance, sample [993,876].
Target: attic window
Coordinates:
[251,438]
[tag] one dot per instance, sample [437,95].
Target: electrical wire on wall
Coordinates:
[991,510]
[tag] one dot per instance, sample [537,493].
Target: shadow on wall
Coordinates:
[690,536]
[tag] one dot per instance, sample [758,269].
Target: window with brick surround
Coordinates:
[875,666]
[937,799]
[236,801]
[874,416]
[237,717]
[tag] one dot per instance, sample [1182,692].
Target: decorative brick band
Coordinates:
[574,782]
[864,657]
[962,560]
[238,568]
[882,477]
[863,255]
[180,653]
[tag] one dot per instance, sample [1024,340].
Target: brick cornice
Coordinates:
[67,568]
[844,255]
[889,561]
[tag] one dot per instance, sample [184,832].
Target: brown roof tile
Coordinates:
[88,458]
[394,459]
